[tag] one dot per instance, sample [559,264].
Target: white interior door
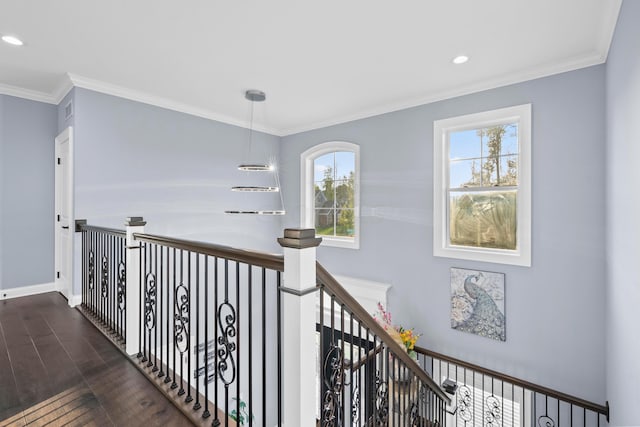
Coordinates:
[64,220]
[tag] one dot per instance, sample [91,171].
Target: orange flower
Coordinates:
[404,337]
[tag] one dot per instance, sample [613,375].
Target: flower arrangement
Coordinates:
[407,338]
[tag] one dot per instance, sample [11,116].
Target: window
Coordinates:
[330,193]
[482,182]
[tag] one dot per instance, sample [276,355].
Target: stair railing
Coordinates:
[103,284]
[202,321]
[490,398]
[367,378]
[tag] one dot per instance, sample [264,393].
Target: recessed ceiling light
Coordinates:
[12,40]
[460,59]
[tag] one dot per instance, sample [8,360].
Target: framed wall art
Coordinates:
[477,303]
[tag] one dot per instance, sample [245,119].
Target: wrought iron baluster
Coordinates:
[215,335]
[189,398]
[167,316]
[264,342]
[250,324]
[174,384]
[161,310]
[196,405]
[143,250]
[180,332]
[206,413]
[238,342]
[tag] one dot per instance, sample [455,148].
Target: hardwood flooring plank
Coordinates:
[61,370]
[83,404]
[54,403]
[97,417]
[36,326]
[9,401]
[30,374]
[83,355]
[15,332]
[15,421]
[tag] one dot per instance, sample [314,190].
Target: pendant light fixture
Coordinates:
[258,96]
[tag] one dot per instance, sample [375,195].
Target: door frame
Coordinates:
[65,288]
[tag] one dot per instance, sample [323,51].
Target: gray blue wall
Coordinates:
[554,310]
[623,229]
[175,170]
[27,132]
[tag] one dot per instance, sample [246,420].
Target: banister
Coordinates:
[344,297]
[105,230]
[260,259]
[370,355]
[576,401]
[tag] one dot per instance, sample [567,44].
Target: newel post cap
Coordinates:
[299,238]
[135,221]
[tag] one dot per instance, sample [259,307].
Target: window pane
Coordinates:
[344,193]
[323,167]
[324,222]
[494,137]
[483,219]
[345,164]
[510,140]
[324,194]
[345,224]
[464,145]
[465,173]
[508,170]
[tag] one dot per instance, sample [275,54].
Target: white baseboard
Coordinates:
[27,290]
[75,300]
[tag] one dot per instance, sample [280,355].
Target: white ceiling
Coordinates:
[320,63]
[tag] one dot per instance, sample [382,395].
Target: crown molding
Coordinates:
[583,61]
[63,89]
[609,23]
[158,101]
[32,95]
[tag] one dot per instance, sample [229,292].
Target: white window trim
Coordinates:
[307,196]
[441,128]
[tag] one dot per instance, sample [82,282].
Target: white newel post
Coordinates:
[299,327]
[134,224]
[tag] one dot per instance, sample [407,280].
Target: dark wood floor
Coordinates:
[56,369]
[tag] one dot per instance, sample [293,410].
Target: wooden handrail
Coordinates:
[364,359]
[105,230]
[260,259]
[576,401]
[324,278]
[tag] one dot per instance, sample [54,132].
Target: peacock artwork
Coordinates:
[477,303]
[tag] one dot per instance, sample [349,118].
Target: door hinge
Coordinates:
[59,161]
[58,218]
[57,274]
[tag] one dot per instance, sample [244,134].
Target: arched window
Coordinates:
[331,193]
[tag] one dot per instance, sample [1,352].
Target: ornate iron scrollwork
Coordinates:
[92,270]
[104,282]
[414,415]
[181,323]
[493,412]
[546,421]
[150,301]
[465,403]
[381,413]
[355,405]
[226,362]
[333,376]
[122,286]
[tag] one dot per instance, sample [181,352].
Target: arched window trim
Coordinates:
[307,194]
